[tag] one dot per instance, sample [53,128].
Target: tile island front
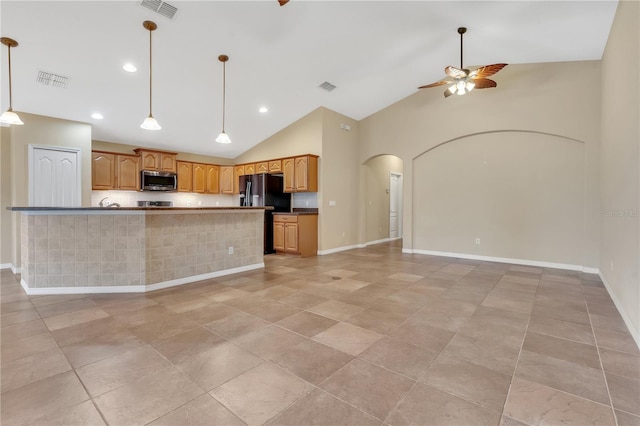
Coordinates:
[135,249]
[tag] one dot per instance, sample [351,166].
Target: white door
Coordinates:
[395,205]
[54,177]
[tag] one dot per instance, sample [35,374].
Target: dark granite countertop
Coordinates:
[299,212]
[41,209]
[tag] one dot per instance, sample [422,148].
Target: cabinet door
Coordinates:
[103,170]
[288,169]
[237,172]
[249,169]
[226,179]
[275,166]
[278,236]
[168,162]
[128,172]
[185,176]
[262,167]
[150,160]
[291,238]
[199,177]
[300,173]
[213,179]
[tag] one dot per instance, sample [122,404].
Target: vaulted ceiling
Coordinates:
[374,52]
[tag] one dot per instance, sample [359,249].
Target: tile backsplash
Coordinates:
[180,199]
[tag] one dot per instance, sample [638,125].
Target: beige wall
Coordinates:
[6,232]
[339,174]
[301,137]
[376,181]
[128,149]
[620,163]
[40,130]
[554,98]
[522,194]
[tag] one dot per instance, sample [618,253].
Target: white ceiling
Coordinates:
[375,52]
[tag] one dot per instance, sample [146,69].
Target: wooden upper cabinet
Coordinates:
[213,179]
[237,172]
[127,172]
[306,173]
[199,177]
[157,160]
[288,168]
[103,166]
[300,174]
[262,167]
[226,179]
[167,162]
[249,169]
[275,166]
[185,176]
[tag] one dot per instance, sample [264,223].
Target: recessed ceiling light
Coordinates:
[263,109]
[97,116]
[129,68]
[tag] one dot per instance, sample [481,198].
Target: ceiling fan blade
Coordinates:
[455,72]
[283,2]
[436,84]
[484,83]
[447,93]
[487,70]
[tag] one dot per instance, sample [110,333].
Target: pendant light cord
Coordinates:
[224,91]
[10,101]
[150,74]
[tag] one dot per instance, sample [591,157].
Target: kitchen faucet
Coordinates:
[107,203]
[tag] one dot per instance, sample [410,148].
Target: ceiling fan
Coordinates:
[462,80]
[283,2]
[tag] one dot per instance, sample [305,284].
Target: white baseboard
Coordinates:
[355,246]
[135,288]
[6,266]
[526,262]
[632,329]
[15,270]
[338,249]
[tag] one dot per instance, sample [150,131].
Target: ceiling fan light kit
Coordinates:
[150,123]
[463,81]
[223,137]
[10,117]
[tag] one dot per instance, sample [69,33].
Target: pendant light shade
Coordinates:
[150,123]
[10,117]
[223,137]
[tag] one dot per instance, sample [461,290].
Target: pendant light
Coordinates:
[10,117]
[150,123]
[223,137]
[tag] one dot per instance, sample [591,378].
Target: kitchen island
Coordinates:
[135,249]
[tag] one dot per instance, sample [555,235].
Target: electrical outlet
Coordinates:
[217,203]
[306,203]
[478,241]
[230,250]
[332,203]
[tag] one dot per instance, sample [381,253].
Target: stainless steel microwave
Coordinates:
[151,180]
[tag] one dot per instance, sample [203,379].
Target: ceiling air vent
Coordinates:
[161,7]
[52,79]
[327,86]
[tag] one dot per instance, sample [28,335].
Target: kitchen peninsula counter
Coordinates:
[135,249]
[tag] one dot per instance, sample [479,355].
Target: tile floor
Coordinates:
[366,337]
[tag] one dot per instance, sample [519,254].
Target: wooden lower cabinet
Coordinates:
[295,234]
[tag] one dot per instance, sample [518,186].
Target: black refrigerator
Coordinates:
[265,190]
